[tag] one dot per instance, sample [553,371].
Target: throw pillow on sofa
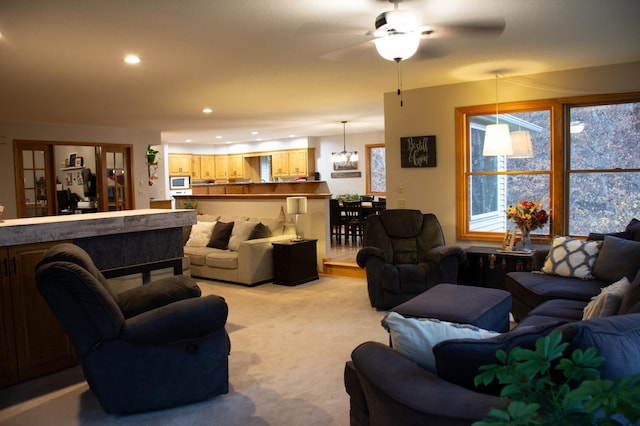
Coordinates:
[608,302]
[416,337]
[220,235]
[260,231]
[200,234]
[618,258]
[570,257]
[631,300]
[240,233]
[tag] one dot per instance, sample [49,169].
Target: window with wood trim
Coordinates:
[584,166]
[376,169]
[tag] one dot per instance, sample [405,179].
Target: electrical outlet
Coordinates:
[402,203]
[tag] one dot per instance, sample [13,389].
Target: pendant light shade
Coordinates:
[521,144]
[497,140]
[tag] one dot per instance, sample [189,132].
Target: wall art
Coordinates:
[418,151]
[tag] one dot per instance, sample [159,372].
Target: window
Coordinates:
[376,169]
[591,183]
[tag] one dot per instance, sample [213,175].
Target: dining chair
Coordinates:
[355,221]
[336,220]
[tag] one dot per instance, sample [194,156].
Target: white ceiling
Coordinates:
[278,67]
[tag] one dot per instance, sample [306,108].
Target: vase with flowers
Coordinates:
[527,216]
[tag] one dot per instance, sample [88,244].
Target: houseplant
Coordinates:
[547,388]
[152,156]
[527,216]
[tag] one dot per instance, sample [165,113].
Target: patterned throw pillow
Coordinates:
[570,257]
[608,301]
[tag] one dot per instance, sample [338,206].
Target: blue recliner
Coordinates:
[151,347]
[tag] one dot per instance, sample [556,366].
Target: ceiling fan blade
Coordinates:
[430,50]
[328,28]
[492,28]
[349,51]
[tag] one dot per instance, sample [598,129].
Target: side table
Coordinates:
[294,262]
[488,266]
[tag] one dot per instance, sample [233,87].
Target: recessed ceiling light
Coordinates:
[187,140]
[218,137]
[254,133]
[207,110]
[258,139]
[132,59]
[292,136]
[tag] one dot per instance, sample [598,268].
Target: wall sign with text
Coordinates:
[418,151]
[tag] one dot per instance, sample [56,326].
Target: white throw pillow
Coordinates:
[200,234]
[416,337]
[570,257]
[607,303]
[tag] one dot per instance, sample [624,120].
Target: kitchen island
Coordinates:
[120,243]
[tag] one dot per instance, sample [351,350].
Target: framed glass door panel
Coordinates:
[117,173]
[34,178]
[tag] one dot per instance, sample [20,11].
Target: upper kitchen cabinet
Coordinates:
[180,164]
[236,166]
[221,167]
[280,164]
[302,162]
[196,161]
[207,167]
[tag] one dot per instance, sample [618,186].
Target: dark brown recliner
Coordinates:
[404,255]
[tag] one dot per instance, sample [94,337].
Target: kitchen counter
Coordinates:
[58,228]
[310,189]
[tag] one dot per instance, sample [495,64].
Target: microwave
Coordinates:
[179,182]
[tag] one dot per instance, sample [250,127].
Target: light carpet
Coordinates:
[288,350]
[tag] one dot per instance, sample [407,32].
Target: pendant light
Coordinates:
[344,155]
[521,144]
[497,140]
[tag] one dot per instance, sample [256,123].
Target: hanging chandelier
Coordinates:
[344,155]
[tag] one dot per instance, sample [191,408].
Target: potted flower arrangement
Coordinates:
[527,216]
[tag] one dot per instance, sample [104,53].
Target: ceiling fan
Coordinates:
[398,34]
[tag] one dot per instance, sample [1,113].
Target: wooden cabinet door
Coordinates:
[221,167]
[196,167]
[298,163]
[236,166]
[280,164]
[41,345]
[207,167]
[8,355]
[180,164]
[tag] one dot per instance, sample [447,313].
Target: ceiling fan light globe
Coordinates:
[397,47]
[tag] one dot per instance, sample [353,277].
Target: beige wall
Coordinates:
[431,111]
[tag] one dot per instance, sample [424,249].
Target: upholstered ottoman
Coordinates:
[486,308]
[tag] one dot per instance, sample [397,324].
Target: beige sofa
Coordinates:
[245,261]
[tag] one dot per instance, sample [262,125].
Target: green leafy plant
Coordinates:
[190,203]
[152,155]
[348,197]
[547,388]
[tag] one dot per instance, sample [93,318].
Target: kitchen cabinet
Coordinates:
[196,161]
[221,167]
[280,164]
[236,166]
[33,341]
[302,162]
[207,167]
[180,164]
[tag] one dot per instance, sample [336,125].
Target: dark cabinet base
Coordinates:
[294,262]
[487,267]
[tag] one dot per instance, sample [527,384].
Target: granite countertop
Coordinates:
[58,228]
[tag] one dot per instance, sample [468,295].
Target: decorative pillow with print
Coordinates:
[570,257]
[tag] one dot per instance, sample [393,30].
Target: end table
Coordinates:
[294,262]
[487,266]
